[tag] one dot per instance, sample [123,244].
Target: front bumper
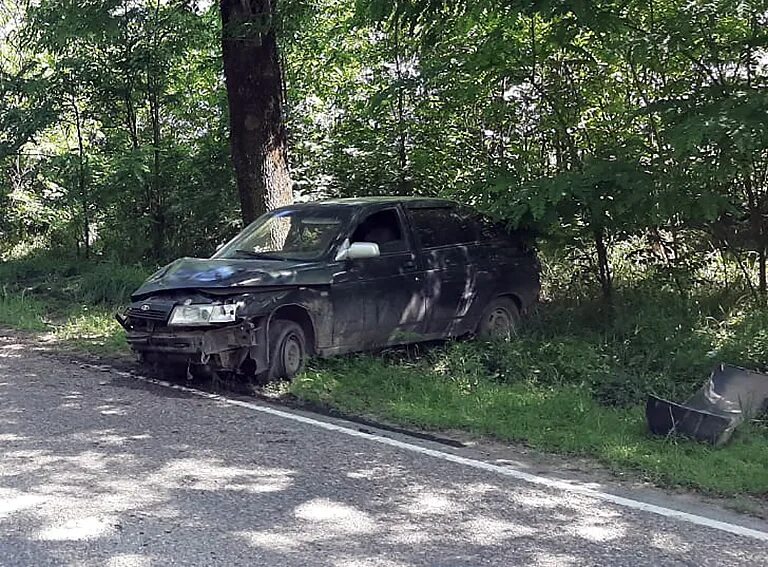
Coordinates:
[224,348]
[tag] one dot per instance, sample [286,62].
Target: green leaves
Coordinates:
[570,118]
[26,107]
[107,71]
[604,194]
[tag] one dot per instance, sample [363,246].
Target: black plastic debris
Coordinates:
[730,396]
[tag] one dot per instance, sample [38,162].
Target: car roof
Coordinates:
[408,202]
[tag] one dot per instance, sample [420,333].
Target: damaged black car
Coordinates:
[332,277]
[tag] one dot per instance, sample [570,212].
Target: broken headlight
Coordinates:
[205,314]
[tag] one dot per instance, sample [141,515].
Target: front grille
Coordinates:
[154,314]
[154,311]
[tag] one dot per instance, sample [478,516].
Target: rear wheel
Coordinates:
[288,350]
[500,319]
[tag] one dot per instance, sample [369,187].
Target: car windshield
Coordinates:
[288,234]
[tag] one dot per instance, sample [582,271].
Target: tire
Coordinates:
[500,320]
[287,350]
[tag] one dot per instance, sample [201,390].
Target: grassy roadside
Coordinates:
[71,301]
[563,419]
[573,382]
[88,328]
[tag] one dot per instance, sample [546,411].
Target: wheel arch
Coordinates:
[299,315]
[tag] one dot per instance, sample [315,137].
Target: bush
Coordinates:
[110,284]
[649,341]
[68,280]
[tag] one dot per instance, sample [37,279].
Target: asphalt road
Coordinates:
[100,469]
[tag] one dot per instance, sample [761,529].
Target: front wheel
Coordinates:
[288,350]
[500,319]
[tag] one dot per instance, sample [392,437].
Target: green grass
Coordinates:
[73,300]
[93,330]
[21,312]
[575,381]
[563,419]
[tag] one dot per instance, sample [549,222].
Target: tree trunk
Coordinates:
[756,207]
[157,203]
[81,182]
[154,92]
[603,265]
[254,89]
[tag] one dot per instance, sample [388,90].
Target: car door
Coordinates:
[507,263]
[447,239]
[379,301]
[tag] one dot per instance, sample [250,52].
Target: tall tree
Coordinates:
[255,92]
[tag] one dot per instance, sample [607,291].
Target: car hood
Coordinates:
[222,273]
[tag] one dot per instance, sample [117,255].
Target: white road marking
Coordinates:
[474,463]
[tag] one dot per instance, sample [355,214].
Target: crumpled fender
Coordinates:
[263,303]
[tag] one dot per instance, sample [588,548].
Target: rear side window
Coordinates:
[442,227]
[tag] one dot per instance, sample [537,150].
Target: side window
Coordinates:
[384,229]
[443,227]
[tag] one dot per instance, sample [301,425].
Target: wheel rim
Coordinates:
[293,354]
[500,323]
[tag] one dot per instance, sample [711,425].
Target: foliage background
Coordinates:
[598,124]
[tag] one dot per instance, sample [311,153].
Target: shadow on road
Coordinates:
[97,472]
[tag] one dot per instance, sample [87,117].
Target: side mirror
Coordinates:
[359,251]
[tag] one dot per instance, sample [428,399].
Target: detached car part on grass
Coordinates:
[730,396]
[334,277]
